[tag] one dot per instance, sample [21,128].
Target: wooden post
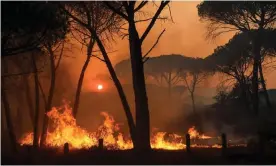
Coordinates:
[101,144]
[223,143]
[66,148]
[188,143]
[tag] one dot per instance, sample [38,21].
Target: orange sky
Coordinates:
[185,36]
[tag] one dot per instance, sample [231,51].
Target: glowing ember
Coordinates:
[66,130]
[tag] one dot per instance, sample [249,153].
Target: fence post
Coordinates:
[188,143]
[100,144]
[66,148]
[223,143]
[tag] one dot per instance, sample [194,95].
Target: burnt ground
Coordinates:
[197,156]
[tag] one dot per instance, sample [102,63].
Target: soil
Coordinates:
[196,156]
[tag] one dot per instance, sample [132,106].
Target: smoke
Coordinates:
[184,35]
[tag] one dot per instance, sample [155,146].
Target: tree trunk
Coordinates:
[50,98]
[78,92]
[244,93]
[120,90]
[18,123]
[255,81]
[29,100]
[268,103]
[141,99]
[36,116]
[19,115]
[10,127]
[193,102]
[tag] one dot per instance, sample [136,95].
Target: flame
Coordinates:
[66,130]
[158,142]
[195,134]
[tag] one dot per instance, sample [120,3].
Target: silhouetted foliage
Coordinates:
[26,25]
[245,16]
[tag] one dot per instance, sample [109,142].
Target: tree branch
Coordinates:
[60,55]
[156,42]
[116,10]
[144,20]
[140,6]
[161,7]
[98,58]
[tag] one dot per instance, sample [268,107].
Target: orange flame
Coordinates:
[195,134]
[66,130]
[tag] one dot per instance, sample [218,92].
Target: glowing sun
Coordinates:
[100,87]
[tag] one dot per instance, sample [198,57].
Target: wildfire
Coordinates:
[195,134]
[158,142]
[65,130]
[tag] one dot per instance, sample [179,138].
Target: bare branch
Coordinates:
[117,11]
[148,19]
[170,12]
[154,44]
[161,7]
[60,55]
[140,6]
[98,58]
[43,94]
[75,18]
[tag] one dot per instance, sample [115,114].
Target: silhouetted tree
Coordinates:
[44,26]
[165,68]
[192,79]
[234,59]
[268,51]
[129,11]
[7,109]
[243,17]
[99,24]
[54,51]
[123,70]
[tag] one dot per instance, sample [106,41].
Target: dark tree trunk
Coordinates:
[78,92]
[50,98]
[255,80]
[268,103]
[29,99]
[19,123]
[141,99]
[10,127]
[120,90]
[193,102]
[36,116]
[170,85]
[19,115]
[244,94]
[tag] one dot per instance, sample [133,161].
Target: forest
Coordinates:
[145,102]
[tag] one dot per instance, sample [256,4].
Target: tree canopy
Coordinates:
[237,16]
[30,24]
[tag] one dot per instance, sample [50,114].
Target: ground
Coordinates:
[197,156]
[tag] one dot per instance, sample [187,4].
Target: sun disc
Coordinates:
[100,87]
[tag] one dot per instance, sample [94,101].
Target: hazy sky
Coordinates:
[185,36]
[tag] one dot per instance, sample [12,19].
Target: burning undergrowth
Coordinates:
[64,129]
